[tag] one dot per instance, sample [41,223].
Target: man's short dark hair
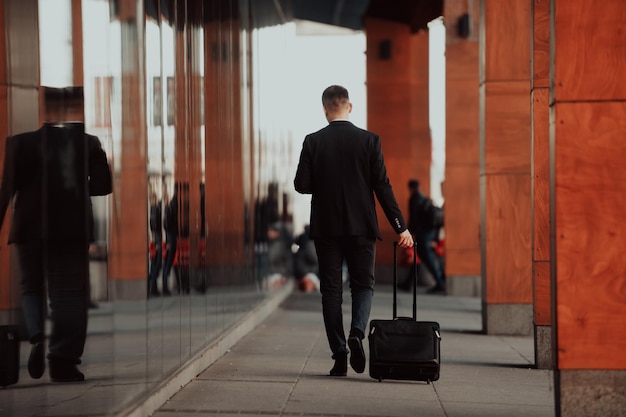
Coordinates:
[414,184]
[63,96]
[334,96]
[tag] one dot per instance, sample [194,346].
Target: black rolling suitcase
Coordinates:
[404,348]
[9,355]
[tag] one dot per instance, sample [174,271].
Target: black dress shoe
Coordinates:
[64,371]
[357,354]
[341,366]
[37,360]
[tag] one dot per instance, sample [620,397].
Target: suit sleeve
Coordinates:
[303,181]
[7,189]
[100,181]
[382,189]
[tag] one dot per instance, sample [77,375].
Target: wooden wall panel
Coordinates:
[541,174]
[461,191]
[507,133]
[462,172]
[508,240]
[540,99]
[590,239]
[394,70]
[542,294]
[507,54]
[462,221]
[591,50]
[541,43]
[419,127]
[462,124]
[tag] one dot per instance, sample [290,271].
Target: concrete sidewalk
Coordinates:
[281,368]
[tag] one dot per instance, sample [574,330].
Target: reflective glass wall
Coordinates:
[181,94]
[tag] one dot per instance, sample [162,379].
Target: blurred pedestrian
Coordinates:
[306,268]
[171,239]
[425,220]
[156,242]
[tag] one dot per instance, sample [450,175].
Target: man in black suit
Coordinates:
[49,175]
[342,166]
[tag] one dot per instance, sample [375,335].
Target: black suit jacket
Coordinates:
[342,166]
[50,174]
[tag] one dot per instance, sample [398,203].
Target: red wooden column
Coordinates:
[397,110]
[77,42]
[540,101]
[129,234]
[462,207]
[19,83]
[505,168]
[589,196]
[224,152]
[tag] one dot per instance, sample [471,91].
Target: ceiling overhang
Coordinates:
[351,13]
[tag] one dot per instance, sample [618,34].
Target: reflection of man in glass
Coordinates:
[50,174]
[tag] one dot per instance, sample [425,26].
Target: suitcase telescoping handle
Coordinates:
[395,280]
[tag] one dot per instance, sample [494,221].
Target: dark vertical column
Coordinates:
[505,141]
[588,188]
[462,207]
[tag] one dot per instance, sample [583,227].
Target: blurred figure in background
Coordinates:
[425,220]
[171,239]
[156,243]
[306,268]
[280,262]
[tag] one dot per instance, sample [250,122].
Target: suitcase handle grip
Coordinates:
[395,280]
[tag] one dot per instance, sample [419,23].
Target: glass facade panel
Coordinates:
[181,95]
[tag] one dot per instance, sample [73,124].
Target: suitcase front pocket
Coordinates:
[403,341]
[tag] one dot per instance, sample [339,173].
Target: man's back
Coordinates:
[48,172]
[341,162]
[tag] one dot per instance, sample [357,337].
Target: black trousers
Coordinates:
[64,267]
[359,253]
